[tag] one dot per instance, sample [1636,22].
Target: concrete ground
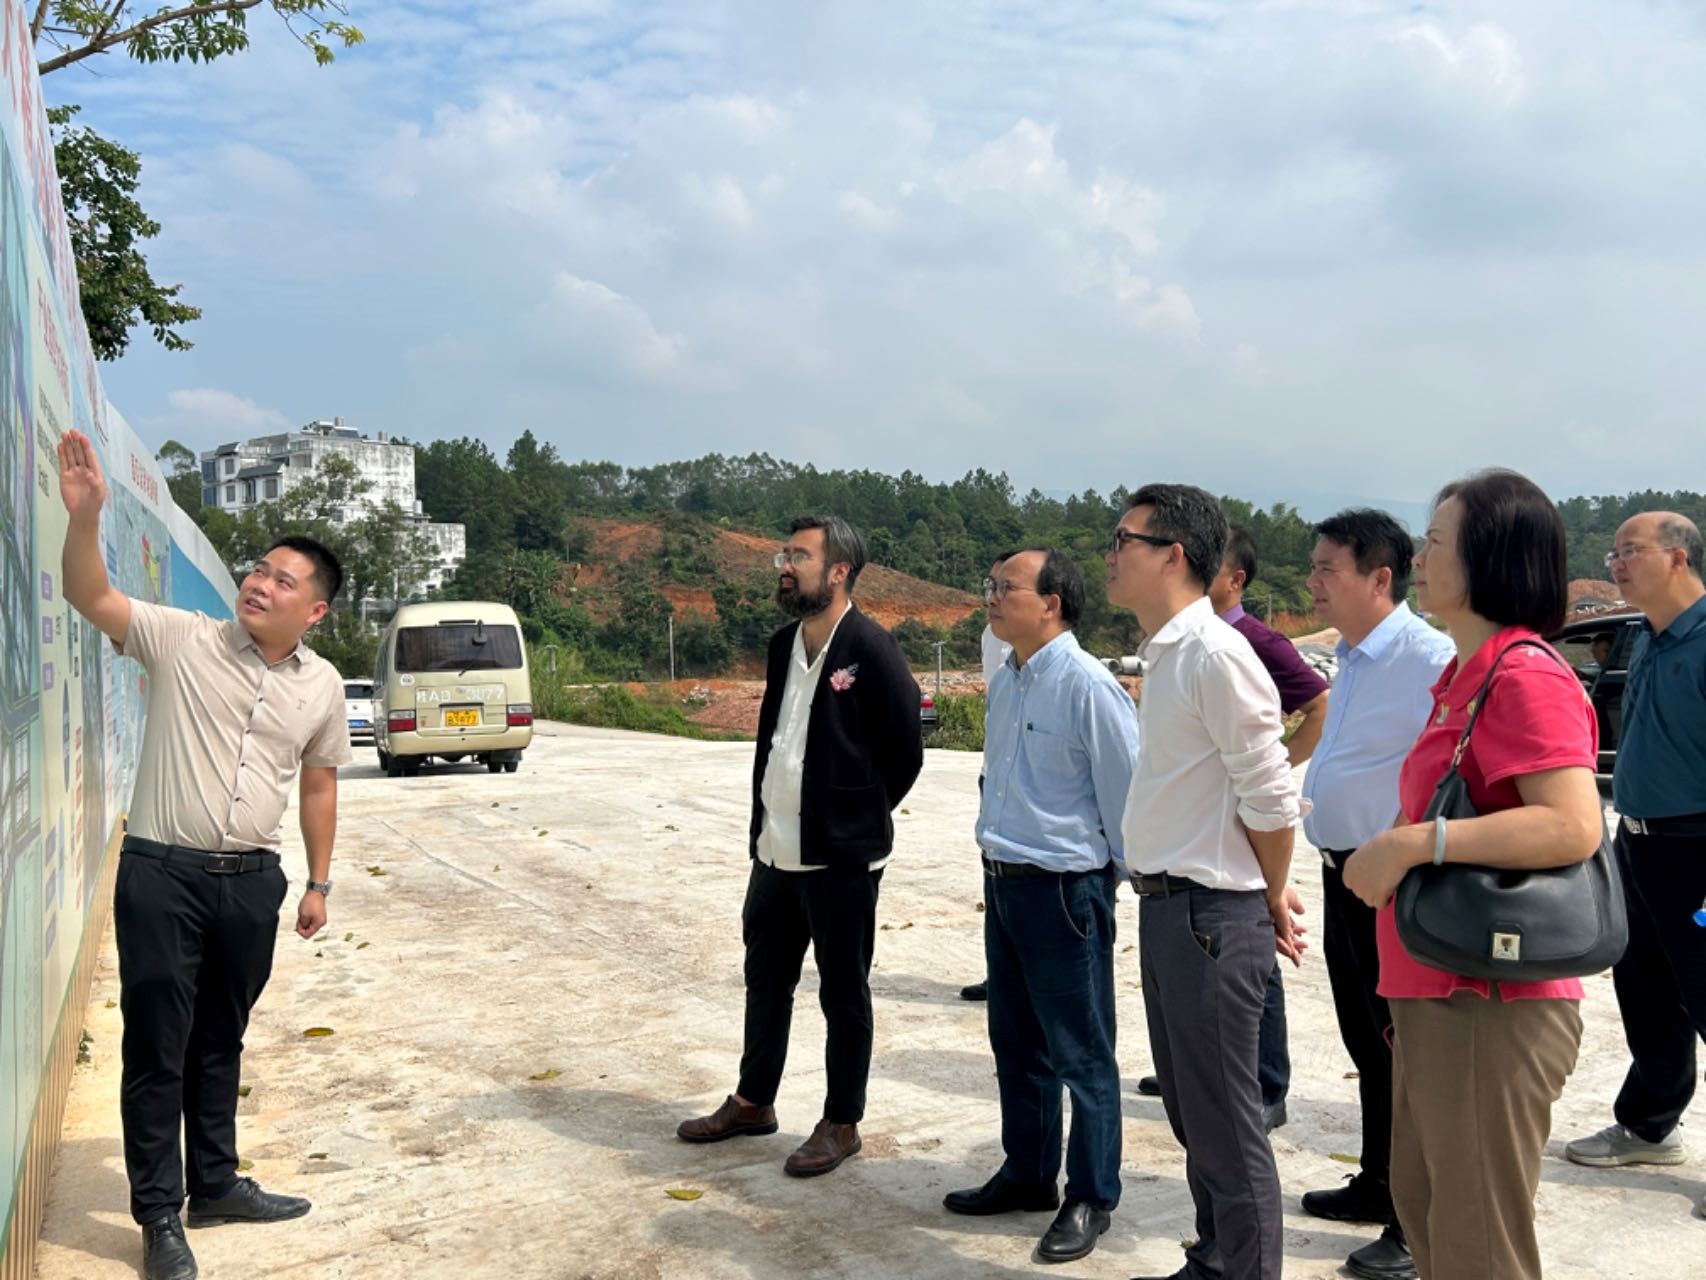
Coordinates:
[532,978]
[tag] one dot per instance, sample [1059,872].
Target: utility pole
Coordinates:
[672,649]
[938,644]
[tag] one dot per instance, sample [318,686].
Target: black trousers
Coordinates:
[1661,979]
[834,910]
[1205,956]
[194,953]
[1353,972]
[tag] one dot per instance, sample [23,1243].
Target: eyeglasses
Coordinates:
[791,557]
[1630,552]
[993,590]
[1123,536]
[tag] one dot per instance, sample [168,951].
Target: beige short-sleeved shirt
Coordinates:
[225,731]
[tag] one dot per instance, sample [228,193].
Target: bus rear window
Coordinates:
[459,646]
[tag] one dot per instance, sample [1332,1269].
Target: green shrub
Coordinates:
[611,706]
[959,722]
[917,641]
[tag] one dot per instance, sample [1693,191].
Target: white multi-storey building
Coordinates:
[235,477]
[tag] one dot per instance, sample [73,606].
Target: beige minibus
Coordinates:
[451,682]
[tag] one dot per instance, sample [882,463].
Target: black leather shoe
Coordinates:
[1273,1115]
[1074,1233]
[1363,1199]
[165,1253]
[976,991]
[1149,1086]
[1002,1195]
[245,1202]
[1388,1258]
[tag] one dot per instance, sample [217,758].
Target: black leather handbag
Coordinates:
[1507,925]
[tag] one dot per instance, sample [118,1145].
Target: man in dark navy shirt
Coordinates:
[1300,690]
[1660,791]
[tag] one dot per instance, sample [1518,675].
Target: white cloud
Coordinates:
[721,197]
[865,212]
[652,230]
[592,316]
[943,399]
[1485,57]
[205,411]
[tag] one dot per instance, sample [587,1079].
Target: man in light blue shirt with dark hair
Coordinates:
[1060,744]
[1388,661]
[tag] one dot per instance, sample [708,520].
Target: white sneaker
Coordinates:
[1615,1145]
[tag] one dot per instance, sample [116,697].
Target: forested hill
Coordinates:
[1592,522]
[530,510]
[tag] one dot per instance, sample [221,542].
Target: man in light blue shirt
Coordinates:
[1388,661]
[1060,744]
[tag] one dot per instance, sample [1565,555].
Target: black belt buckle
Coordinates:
[1161,884]
[223,864]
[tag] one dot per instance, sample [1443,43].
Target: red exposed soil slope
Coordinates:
[887,596]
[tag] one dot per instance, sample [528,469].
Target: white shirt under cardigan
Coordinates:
[1213,763]
[785,769]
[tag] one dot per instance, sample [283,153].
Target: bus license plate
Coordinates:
[461,719]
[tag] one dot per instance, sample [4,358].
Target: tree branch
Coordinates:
[37,22]
[107,39]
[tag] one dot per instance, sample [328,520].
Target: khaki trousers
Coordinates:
[1473,1083]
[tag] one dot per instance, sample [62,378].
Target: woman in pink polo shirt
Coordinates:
[1478,1065]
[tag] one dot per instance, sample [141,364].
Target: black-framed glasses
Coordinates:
[1123,536]
[993,590]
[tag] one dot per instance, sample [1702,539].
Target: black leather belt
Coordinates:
[999,869]
[1692,826]
[218,864]
[1162,883]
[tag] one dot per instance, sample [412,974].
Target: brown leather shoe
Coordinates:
[824,1151]
[731,1120]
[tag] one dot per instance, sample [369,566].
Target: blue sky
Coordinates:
[1284,249]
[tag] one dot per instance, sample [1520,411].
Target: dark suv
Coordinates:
[1598,650]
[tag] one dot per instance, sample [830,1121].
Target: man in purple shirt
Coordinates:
[1300,689]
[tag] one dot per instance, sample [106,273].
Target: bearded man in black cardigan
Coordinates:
[839,746]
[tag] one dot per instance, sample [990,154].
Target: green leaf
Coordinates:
[683,1193]
[317,1033]
[550,1073]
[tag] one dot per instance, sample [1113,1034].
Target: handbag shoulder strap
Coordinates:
[1481,697]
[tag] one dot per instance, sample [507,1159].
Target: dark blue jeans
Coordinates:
[1049,946]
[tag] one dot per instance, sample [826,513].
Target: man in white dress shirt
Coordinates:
[1208,831]
[1388,660]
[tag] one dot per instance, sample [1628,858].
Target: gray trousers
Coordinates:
[1206,955]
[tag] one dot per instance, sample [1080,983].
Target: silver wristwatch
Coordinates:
[321,886]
